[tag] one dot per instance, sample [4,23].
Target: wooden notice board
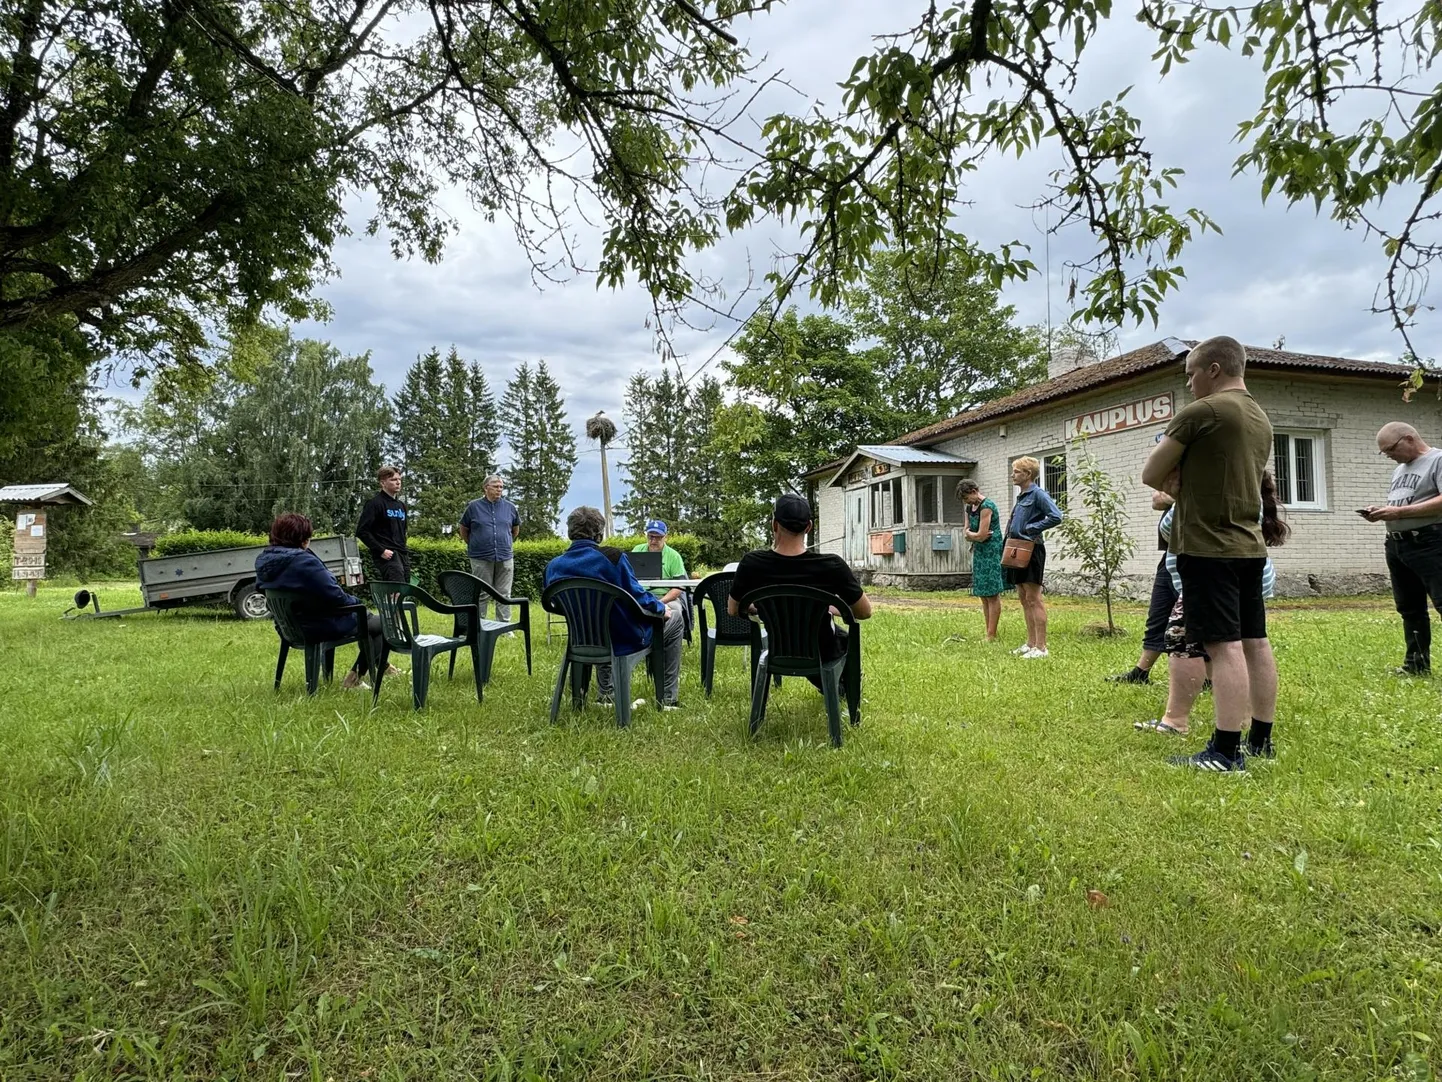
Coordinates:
[30,538]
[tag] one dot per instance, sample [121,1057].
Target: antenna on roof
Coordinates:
[1046,234]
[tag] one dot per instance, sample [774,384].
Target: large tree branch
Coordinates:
[71,198]
[106,285]
[20,95]
[339,57]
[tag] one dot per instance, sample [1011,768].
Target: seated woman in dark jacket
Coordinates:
[288,564]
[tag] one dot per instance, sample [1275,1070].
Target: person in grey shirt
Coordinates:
[489,527]
[1413,514]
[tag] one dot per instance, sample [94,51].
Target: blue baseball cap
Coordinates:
[655,525]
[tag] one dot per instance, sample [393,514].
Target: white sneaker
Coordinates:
[1033,654]
[1024,648]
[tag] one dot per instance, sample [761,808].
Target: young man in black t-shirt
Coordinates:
[787,562]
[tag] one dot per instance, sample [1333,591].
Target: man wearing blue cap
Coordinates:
[672,566]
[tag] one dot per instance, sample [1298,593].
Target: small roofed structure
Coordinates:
[44,495]
[31,529]
[892,493]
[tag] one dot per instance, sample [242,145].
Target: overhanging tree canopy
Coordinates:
[168,162]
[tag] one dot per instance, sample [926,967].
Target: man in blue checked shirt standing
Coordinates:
[489,527]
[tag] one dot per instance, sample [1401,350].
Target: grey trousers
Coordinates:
[670,660]
[499,574]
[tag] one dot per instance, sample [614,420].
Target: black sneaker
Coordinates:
[1135,676]
[605,699]
[1412,670]
[1209,758]
[1266,751]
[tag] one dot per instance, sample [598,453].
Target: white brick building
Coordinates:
[890,511]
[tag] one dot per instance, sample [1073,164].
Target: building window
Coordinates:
[928,505]
[886,504]
[1297,467]
[1053,477]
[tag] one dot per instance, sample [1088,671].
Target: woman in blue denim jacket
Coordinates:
[1033,513]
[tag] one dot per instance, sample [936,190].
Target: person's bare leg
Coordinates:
[1184,684]
[991,610]
[1231,689]
[1028,610]
[1025,610]
[1261,677]
[1148,659]
[1039,620]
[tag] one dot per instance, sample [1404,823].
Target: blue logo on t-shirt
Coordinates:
[397,512]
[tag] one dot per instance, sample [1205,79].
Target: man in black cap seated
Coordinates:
[788,563]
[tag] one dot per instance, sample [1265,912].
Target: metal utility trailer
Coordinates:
[221,577]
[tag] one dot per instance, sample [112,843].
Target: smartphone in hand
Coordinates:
[1365,512]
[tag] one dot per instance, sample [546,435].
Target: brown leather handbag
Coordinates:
[1016,553]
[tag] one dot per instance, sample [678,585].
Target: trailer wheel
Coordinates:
[250,603]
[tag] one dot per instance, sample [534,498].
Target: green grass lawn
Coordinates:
[200,878]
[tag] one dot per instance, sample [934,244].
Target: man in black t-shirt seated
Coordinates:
[787,563]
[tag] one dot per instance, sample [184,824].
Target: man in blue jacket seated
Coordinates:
[288,564]
[586,559]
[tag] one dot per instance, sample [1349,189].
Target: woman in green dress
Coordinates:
[984,531]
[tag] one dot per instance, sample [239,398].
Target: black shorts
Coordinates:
[1032,572]
[396,569]
[1223,598]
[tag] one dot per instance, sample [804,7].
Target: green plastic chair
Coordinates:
[287,610]
[460,588]
[715,589]
[395,601]
[792,617]
[586,605]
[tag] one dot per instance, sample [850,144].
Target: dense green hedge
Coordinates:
[178,544]
[430,556]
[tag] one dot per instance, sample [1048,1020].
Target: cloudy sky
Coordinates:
[1273,272]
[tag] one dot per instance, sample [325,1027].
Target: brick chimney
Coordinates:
[1068,358]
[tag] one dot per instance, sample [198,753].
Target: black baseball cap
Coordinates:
[792,513]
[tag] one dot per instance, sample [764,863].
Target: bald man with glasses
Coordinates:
[1413,516]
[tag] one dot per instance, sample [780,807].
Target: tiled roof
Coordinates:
[1129,365]
[1116,369]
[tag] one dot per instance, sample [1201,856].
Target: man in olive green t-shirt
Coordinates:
[1213,454]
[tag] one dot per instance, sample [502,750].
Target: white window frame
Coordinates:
[1319,467]
[897,491]
[1042,456]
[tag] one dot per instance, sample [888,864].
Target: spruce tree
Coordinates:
[445,437]
[542,448]
[700,468]
[556,460]
[658,450]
